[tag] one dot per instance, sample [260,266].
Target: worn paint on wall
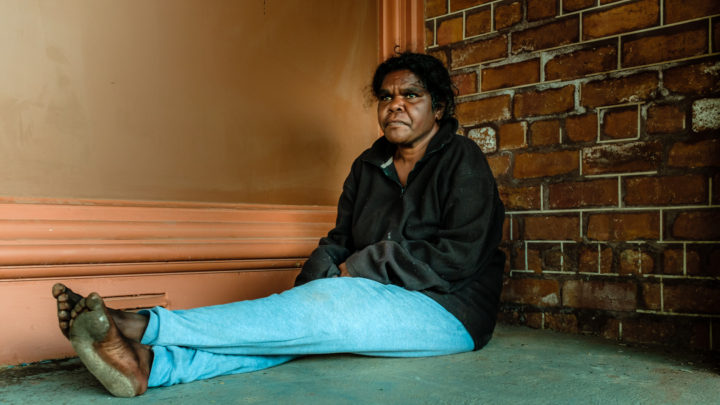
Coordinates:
[226,101]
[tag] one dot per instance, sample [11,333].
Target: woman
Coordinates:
[411,268]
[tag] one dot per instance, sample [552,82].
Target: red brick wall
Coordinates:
[600,120]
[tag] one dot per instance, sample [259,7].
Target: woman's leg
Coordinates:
[337,315]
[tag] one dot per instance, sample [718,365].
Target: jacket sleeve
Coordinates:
[469,233]
[334,248]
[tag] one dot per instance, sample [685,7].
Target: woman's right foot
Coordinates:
[132,325]
[120,364]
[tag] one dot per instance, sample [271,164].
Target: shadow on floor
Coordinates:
[520,365]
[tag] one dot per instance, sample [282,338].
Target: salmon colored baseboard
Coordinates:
[141,254]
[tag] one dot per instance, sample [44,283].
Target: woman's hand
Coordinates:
[343,270]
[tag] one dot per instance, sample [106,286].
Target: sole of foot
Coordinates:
[112,359]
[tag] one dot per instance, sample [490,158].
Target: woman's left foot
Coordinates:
[120,364]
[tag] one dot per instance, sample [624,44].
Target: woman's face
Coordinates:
[405,111]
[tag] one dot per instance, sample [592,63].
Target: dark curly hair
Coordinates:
[429,70]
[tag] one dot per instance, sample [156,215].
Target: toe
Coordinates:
[58,289]
[63,315]
[94,302]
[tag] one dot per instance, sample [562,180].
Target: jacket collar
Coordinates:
[382,151]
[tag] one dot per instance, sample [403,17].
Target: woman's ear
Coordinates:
[439,111]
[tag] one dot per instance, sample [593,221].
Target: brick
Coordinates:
[590,256]
[620,123]
[456,5]
[539,9]
[649,331]
[575,5]
[534,320]
[617,91]
[545,132]
[478,22]
[512,135]
[681,10]
[685,189]
[542,293]
[527,259]
[429,34]
[484,110]
[555,33]
[536,164]
[692,298]
[449,31]
[434,8]
[697,225]
[635,261]
[440,55]
[611,296]
[611,329]
[479,51]
[534,262]
[664,119]
[665,45]
[716,39]
[520,198]
[673,261]
[650,296]
[694,265]
[506,230]
[514,74]
[485,138]
[552,101]
[567,323]
[716,189]
[582,63]
[508,14]
[581,128]
[622,18]
[499,165]
[617,158]
[552,227]
[711,266]
[706,114]
[507,262]
[593,193]
[466,83]
[704,153]
[623,226]
[697,79]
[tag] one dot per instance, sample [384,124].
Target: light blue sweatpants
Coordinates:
[334,315]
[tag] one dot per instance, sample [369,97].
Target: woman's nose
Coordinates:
[396,104]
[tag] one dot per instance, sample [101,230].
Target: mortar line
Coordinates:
[685,259]
[612,209]
[650,311]
[661,226]
[562,257]
[619,53]
[662,13]
[679,277]
[526,259]
[620,330]
[492,22]
[464,18]
[710,185]
[435,32]
[711,334]
[542,326]
[599,258]
[620,202]
[542,198]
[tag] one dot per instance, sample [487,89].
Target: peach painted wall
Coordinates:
[186,100]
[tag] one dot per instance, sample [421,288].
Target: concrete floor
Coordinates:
[520,365]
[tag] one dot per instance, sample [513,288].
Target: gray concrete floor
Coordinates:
[520,365]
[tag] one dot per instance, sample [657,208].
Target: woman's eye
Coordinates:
[385,98]
[411,95]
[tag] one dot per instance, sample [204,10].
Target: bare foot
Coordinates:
[120,364]
[132,325]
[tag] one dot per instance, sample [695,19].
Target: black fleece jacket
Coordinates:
[438,235]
